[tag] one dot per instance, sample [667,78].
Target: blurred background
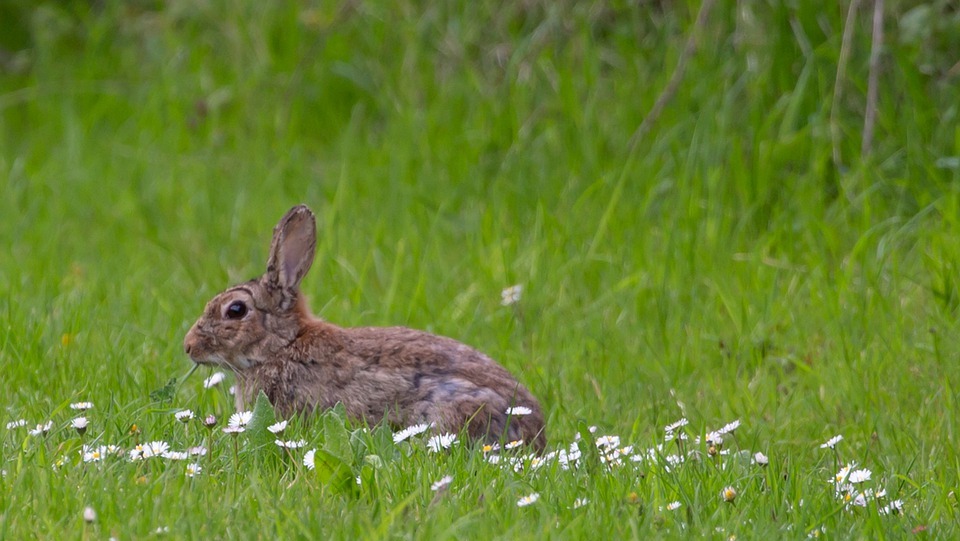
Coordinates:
[743,247]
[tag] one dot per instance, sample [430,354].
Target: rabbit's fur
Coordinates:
[263,331]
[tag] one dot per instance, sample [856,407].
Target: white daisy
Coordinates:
[580,502]
[93,454]
[513,444]
[729,427]
[16,424]
[80,423]
[176,455]
[240,418]
[136,453]
[859,476]
[308,459]
[675,425]
[528,499]
[193,469]
[519,410]
[199,450]
[673,506]
[441,441]
[291,444]
[155,449]
[728,494]
[832,442]
[231,429]
[511,295]
[608,442]
[442,483]
[81,406]
[184,415]
[215,379]
[89,515]
[42,429]
[277,428]
[893,508]
[760,458]
[410,431]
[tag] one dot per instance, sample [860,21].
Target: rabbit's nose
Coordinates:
[189,342]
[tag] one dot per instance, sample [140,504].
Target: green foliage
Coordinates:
[743,261]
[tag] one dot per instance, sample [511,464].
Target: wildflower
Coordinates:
[859,476]
[277,428]
[308,459]
[113,450]
[93,454]
[42,429]
[210,421]
[728,494]
[673,426]
[232,390]
[176,455]
[832,442]
[214,380]
[608,442]
[184,415]
[89,515]
[893,508]
[240,419]
[519,410]
[197,451]
[155,448]
[673,506]
[81,406]
[231,429]
[291,444]
[716,438]
[136,453]
[443,483]
[16,424]
[580,502]
[844,472]
[528,499]
[489,448]
[410,431]
[729,427]
[193,469]
[511,295]
[441,441]
[513,444]
[760,459]
[80,424]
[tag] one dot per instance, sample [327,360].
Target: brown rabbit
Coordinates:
[263,331]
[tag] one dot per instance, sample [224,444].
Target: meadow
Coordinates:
[766,261]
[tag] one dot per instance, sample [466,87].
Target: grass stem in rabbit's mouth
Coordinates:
[186,377]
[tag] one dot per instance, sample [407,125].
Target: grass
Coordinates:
[724,268]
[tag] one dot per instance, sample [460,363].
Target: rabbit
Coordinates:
[263,331]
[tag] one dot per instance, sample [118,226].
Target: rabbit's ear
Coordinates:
[291,251]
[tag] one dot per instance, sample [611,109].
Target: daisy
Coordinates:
[89,515]
[844,473]
[42,429]
[528,499]
[673,426]
[673,506]
[441,441]
[519,410]
[193,469]
[81,406]
[291,444]
[308,459]
[513,444]
[16,424]
[893,508]
[859,476]
[729,427]
[832,442]
[231,429]
[760,458]
[488,448]
[511,295]
[443,483]
[197,451]
[214,380]
[728,494]
[184,415]
[93,454]
[155,448]
[277,428]
[176,455]
[80,424]
[210,421]
[136,453]
[410,431]
[240,419]
[608,442]
[580,502]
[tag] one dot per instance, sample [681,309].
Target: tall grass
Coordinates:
[727,267]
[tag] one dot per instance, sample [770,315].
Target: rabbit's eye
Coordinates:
[236,310]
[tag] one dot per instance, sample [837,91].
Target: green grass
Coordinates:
[724,268]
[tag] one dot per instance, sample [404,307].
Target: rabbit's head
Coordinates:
[247,323]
